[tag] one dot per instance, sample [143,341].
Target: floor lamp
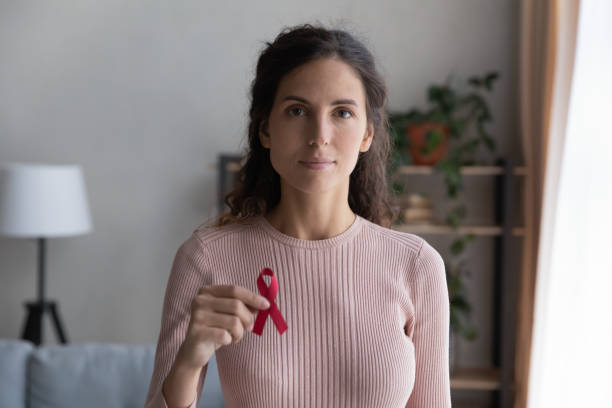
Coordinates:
[42,201]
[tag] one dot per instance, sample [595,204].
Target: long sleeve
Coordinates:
[430,332]
[190,270]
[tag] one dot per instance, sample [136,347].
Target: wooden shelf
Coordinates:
[444,229]
[476,378]
[465,170]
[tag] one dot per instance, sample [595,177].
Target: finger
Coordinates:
[234,307]
[205,303]
[231,323]
[217,335]
[232,291]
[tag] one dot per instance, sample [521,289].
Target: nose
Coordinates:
[320,130]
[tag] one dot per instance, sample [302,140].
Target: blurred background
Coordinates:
[146,96]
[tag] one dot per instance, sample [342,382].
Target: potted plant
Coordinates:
[440,137]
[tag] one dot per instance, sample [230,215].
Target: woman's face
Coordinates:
[318,114]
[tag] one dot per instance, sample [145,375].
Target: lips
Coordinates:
[316,161]
[317,165]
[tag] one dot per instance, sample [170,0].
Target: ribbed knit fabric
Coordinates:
[367,313]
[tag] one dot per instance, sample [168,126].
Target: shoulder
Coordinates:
[429,272]
[421,260]
[406,242]
[419,257]
[206,236]
[429,256]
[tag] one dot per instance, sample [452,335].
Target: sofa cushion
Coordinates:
[90,375]
[13,358]
[85,375]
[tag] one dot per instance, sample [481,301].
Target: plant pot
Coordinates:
[417,140]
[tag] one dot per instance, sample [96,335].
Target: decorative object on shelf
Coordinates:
[416,209]
[440,137]
[42,201]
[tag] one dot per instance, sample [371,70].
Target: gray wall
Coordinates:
[145,95]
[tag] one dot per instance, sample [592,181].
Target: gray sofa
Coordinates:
[84,375]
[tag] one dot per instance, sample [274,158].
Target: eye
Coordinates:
[350,114]
[293,109]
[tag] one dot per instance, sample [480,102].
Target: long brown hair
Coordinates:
[258,185]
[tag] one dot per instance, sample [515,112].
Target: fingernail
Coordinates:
[265,303]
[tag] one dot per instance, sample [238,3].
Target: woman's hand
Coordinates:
[220,315]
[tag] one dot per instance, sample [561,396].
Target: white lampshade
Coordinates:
[42,200]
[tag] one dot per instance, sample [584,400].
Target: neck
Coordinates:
[311,225]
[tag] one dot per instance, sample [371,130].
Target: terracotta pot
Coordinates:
[416,138]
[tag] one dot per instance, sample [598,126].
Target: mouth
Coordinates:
[317,165]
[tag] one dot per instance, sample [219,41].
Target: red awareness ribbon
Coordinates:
[269,293]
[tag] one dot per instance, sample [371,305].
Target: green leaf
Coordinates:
[484,115]
[452,219]
[490,143]
[461,304]
[489,79]
[457,127]
[470,333]
[433,138]
[471,145]
[475,81]
[457,246]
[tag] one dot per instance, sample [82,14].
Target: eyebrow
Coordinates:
[336,102]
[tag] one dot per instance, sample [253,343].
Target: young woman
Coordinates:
[366,307]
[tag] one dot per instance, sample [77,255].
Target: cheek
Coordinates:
[283,153]
[350,148]
[284,134]
[349,141]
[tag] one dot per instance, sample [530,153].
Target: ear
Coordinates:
[367,138]
[264,136]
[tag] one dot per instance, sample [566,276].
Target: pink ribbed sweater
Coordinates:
[367,313]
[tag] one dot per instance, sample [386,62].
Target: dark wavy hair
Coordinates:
[257,190]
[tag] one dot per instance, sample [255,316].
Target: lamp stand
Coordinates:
[36,310]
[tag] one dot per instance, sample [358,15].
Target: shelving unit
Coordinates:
[497,379]
[486,379]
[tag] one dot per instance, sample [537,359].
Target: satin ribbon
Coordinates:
[269,293]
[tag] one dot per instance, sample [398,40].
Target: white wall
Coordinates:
[145,94]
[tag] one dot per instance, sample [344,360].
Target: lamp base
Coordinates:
[33,327]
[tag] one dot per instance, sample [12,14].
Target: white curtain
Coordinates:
[571,356]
